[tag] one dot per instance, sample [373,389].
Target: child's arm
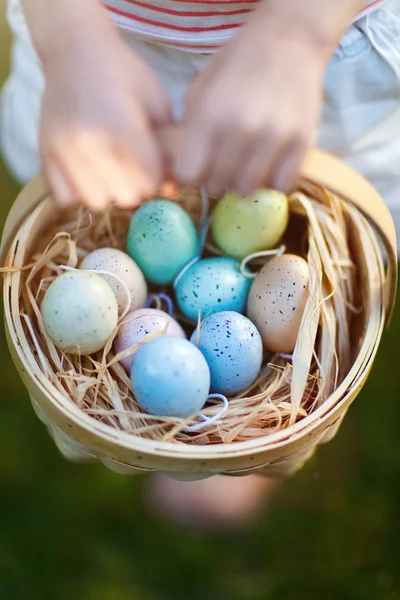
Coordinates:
[100,108]
[252,112]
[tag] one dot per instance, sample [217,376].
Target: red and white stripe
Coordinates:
[370,7]
[199,25]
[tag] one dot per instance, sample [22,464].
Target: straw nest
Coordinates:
[288,389]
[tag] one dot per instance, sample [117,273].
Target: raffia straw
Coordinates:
[331,275]
[327,350]
[304,349]
[286,391]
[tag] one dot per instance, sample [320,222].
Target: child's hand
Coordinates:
[251,114]
[101,108]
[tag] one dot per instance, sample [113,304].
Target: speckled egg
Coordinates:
[162,239]
[233,350]
[211,285]
[120,264]
[79,312]
[170,377]
[241,226]
[277,300]
[140,323]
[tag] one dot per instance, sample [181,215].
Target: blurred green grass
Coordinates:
[71,531]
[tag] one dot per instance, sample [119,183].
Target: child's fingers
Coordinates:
[140,164]
[115,168]
[257,168]
[226,161]
[159,107]
[194,155]
[169,140]
[58,184]
[84,181]
[275,163]
[159,110]
[120,182]
[97,171]
[287,171]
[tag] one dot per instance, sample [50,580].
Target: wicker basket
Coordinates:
[81,438]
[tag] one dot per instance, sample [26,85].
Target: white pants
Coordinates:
[361,112]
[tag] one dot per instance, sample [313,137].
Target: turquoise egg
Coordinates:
[170,377]
[162,239]
[233,349]
[211,285]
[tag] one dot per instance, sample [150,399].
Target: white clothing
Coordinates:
[361,112]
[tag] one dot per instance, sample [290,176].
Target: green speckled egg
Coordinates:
[79,312]
[242,226]
[162,239]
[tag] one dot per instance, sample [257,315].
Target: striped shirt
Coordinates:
[199,25]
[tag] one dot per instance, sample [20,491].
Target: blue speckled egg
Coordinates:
[162,239]
[170,377]
[233,350]
[211,285]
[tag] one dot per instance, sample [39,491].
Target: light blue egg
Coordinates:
[233,350]
[162,239]
[211,285]
[170,377]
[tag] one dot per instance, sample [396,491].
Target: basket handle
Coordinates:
[319,167]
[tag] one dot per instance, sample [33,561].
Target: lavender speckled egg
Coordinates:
[170,377]
[277,300]
[233,350]
[140,323]
[79,312]
[162,239]
[210,285]
[120,264]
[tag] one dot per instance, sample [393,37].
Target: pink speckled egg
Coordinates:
[138,324]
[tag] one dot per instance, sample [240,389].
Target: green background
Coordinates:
[81,532]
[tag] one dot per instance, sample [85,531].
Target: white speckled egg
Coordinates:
[242,225]
[233,350]
[79,312]
[277,300]
[140,323]
[120,264]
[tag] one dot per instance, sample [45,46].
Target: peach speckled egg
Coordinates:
[277,300]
